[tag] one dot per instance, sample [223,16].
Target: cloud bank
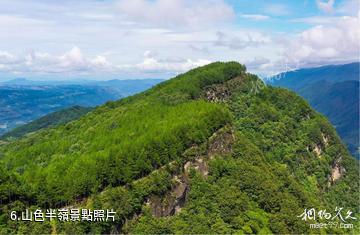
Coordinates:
[331,43]
[43,39]
[71,61]
[74,62]
[176,13]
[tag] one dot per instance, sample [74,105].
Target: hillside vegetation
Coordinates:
[50,120]
[332,90]
[340,103]
[23,101]
[201,153]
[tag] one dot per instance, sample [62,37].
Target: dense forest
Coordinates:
[212,150]
[338,98]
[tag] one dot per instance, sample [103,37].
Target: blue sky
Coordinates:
[121,39]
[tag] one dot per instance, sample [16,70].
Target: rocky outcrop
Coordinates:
[337,171]
[220,142]
[199,164]
[319,148]
[217,94]
[325,139]
[222,92]
[172,202]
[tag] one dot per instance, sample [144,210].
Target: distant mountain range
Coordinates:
[50,120]
[333,91]
[123,87]
[22,100]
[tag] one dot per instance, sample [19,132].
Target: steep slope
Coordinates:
[50,120]
[200,153]
[340,103]
[333,91]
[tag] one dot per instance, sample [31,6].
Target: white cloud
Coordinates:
[255,17]
[249,39]
[201,49]
[75,63]
[326,6]
[100,62]
[170,13]
[72,61]
[120,31]
[150,64]
[349,7]
[256,63]
[321,44]
[7,58]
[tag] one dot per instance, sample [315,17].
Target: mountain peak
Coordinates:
[202,149]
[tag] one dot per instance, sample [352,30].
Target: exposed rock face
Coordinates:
[222,92]
[221,143]
[198,164]
[325,139]
[217,94]
[317,150]
[172,202]
[337,171]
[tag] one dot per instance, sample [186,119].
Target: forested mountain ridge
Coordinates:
[332,90]
[204,152]
[340,103]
